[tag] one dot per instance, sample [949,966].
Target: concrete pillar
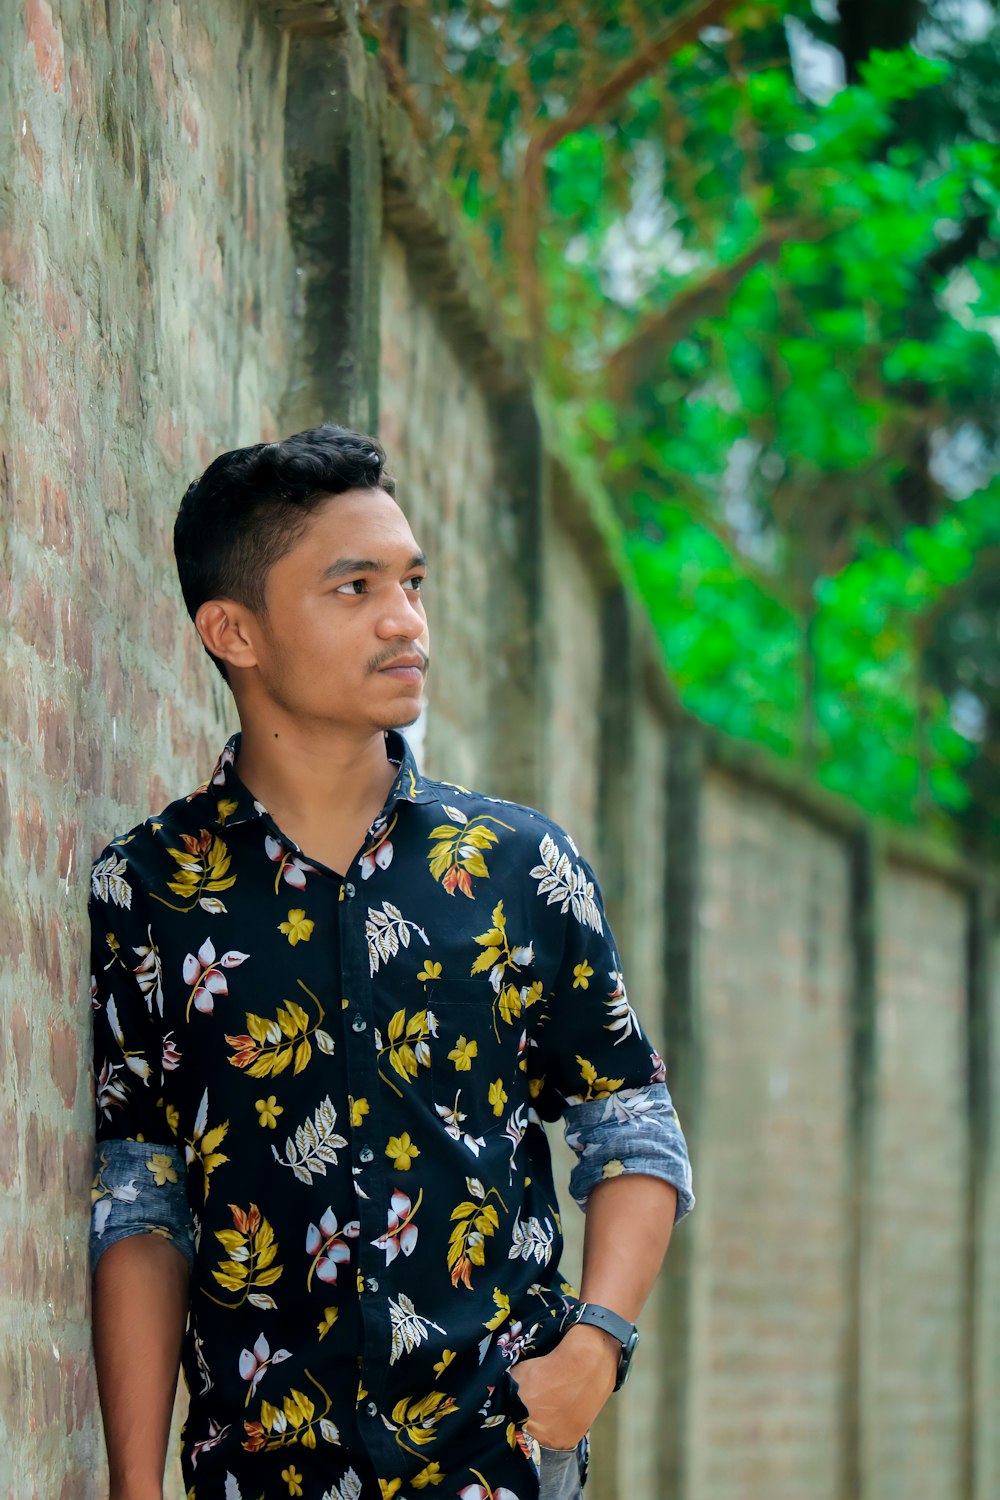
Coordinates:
[334,176]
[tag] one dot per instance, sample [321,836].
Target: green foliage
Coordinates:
[765,313]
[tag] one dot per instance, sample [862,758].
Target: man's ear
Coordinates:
[227,629]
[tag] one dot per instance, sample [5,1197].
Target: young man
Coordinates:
[333,1001]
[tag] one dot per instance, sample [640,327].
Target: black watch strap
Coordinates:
[620,1328]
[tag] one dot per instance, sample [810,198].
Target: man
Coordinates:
[333,1002]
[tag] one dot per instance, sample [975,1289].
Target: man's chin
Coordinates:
[401,716]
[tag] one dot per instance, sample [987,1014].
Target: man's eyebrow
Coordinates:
[368,565]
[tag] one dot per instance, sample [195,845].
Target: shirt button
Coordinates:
[372,1284]
[348,888]
[366,1153]
[359,1023]
[372,1409]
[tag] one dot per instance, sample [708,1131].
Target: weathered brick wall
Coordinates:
[144,269]
[772,1238]
[573,688]
[435,423]
[919,1377]
[986,1441]
[640,1431]
[153,313]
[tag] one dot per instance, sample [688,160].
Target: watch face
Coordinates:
[625,1362]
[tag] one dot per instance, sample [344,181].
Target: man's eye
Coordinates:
[419,580]
[351,583]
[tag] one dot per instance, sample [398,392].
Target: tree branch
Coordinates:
[633,361]
[591,106]
[594,105]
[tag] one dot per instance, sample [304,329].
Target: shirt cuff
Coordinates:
[632,1130]
[139,1188]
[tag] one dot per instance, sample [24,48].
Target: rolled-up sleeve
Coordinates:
[139,1188]
[138,1184]
[633,1130]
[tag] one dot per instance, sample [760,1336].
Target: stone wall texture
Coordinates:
[827,1323]
[145,266]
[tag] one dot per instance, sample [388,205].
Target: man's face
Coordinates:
[341,606]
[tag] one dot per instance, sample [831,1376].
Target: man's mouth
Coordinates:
[406,668]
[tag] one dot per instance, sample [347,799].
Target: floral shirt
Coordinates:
[329,1090]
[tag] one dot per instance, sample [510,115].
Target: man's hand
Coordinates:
[565,1389]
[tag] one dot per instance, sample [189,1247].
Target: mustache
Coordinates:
[411,650]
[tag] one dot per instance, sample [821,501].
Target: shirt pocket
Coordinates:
[474,1059]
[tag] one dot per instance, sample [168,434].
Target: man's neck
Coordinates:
[327,778]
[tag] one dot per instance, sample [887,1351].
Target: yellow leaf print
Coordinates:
[250,1249]
[597,1088]
[295,1421]
[581,974]
[498,956]
[162,1168]
[447,1355]
[327,1321]
[430,970]
[503,1309]
[267,1048]
[298,928]
[203,865]
[268,1110]
[456,855]
[431,1475]
[293,1479]
[462,1054]
[509,1003]
[418,1419]
[533,993]
[359,1108]
[613,1168]
[498,1096]
[467,1242]
[401,1151]
[408,1045]
[203,1143]
[390,1487]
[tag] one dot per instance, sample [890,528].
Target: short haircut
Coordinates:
[251,505]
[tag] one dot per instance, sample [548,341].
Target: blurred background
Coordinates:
[679,322]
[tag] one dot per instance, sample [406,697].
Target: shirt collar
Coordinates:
[235,803]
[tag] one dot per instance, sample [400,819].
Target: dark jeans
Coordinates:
[564,1471]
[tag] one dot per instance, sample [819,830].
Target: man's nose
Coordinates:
[404,617]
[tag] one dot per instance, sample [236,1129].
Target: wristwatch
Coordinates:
[620,1328]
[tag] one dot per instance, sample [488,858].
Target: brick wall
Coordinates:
[436,425]
[772,1239]
[828,1321]
[921,1145]
[144,274]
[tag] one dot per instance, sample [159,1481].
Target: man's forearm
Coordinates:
[140,1300]
[628,1224]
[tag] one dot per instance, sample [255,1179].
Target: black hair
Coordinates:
[251,505]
